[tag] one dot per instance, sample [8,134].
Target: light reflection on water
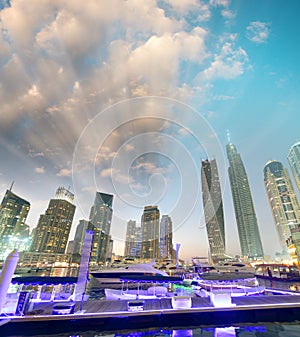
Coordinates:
[259,330]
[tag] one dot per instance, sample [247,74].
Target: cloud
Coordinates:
[34,154]
[129,147]
[223,3]
[64,173]
[228,64]
[184,6]
[228,14]
[258,32]
[150,167]
[116,175]
[40,170]
[63,64]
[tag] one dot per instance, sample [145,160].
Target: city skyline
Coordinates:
[128,98]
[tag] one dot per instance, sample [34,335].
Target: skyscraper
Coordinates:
[294,161]
[166,237]
[248,231]
[133,240]
[13,214]
[150,233]
[81,229]
[53,229]
[13,229]
[100,218]
[282,200]
[213,209]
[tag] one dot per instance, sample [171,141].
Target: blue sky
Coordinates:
[127,97]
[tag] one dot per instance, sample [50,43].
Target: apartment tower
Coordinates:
[133,240]
[100,218]
[13,229]
[53,229]
[283,201]
[213,209]
[166,237]
[294,161]
[248,231]
[150,233]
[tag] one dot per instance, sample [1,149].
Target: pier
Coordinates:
[114,315]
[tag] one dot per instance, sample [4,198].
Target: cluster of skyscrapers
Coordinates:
[281,195]
[49,241]
[153,238]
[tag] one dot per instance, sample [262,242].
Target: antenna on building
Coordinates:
[228,136]
[11,186]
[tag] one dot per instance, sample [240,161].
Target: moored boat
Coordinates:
[114,275]
[236,284]
[278,272]
[137,287]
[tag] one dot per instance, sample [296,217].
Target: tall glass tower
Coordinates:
[294,161]
[13,214]
[14,233]
[133,240]
[150,233]
[246,220]
[100,218]
[283,200]
[213,209]
[53,229]
[166,237]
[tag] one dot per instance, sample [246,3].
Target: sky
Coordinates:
[127,98]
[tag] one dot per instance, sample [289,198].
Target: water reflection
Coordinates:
[203,332]
[263,330]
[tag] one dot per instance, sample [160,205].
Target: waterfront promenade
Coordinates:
[113,315]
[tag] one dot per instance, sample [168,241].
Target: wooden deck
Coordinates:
[112,315]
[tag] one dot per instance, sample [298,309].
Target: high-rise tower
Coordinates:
[133,240]
[282,199]
[53,229]
[13,214]
[150,233]
[213,209]
[166,237]
[13,229]
[100,218]
[294,161]
[248,231]
[79,237]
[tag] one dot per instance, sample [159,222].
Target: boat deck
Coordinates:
[113,315]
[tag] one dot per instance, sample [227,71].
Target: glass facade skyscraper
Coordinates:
[100,218]
[81,229]
[52,232]
[245,215]
[14,233]
[133,240]
[213,209]
[282,199]
[166,237]
[150,233]
[294,161]
[13,214]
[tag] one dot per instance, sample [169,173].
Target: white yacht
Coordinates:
[115,275]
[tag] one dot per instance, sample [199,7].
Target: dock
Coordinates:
[107,315]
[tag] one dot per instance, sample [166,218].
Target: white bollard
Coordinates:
[6,275]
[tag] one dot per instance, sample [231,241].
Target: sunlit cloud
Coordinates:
[230,63]
[258,32]
[64,173]
[40,170]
